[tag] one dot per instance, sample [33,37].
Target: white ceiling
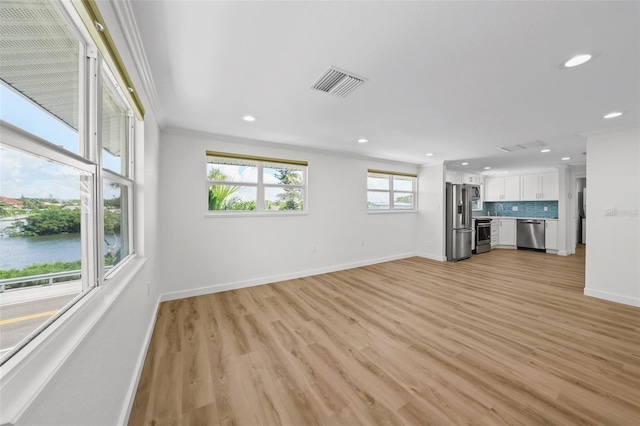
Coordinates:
[459,79]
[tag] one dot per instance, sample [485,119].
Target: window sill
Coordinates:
[374,212]
[255,214]
[29,371]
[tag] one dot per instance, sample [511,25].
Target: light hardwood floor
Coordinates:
[506,337]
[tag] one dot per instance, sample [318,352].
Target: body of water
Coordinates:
[18,252]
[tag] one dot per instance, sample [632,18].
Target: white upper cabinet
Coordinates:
[472,179]
[502,188]
[549,186]
[539,187]
[454,177]
[529,187]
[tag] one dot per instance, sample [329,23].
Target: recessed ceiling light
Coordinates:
[363,140]
[566,158]
[577,60]
[545,150]
[249,118]
[465,164]
[613,114]
[487,168]
[430,154]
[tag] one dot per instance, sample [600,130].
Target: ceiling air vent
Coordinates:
[337,82]
[520,147]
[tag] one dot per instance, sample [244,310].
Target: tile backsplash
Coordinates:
[525,209]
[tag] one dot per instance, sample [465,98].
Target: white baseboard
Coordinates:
[216,288]
[432,256]
[612,297]
[142,356]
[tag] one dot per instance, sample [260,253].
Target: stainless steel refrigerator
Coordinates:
[459,197]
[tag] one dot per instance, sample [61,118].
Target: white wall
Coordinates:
[431,226]
[205,254]
[613,242]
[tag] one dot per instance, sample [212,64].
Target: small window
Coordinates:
[389,191]
[255,184]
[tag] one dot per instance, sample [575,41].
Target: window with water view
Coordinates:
[53,178]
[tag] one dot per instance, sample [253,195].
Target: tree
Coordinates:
[51,221]
[111,222]
[292,197]
[219,194]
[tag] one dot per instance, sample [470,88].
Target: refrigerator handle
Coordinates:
[466,207]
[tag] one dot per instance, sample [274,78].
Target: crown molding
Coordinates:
[126,20]
[607,131]
[176,131]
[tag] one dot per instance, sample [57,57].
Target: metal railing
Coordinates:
[39,280]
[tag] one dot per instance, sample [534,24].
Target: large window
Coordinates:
[389,191]
[66,175]
[255,184]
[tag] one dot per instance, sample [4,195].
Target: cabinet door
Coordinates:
[549,186]
[529,188]
[454,177]
[507,232]
[472,179]
[493,189]
[511,188]
[551,235]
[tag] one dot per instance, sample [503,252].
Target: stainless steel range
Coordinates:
[483,235]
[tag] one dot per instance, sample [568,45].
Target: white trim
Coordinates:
[432,257]
[214,137]
[612,297]
[142,356]
[254,213]
[29,371]
[129,29]
[397,211]
[216,288]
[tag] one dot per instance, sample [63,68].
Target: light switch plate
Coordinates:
[514,208]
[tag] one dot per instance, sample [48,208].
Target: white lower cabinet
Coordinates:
[503,232]
[551,235]
[507,232]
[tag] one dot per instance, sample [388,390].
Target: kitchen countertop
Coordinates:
[515,217]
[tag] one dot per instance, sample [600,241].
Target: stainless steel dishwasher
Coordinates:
[530,234]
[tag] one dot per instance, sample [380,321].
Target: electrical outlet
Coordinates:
[514,208]
[148,288]
[362,243]
[314,248]
[546,209]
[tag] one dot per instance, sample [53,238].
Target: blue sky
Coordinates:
[32,177]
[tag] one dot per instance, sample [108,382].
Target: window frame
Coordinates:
[390,176]
[95,65]
[127,178]
[260,186]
